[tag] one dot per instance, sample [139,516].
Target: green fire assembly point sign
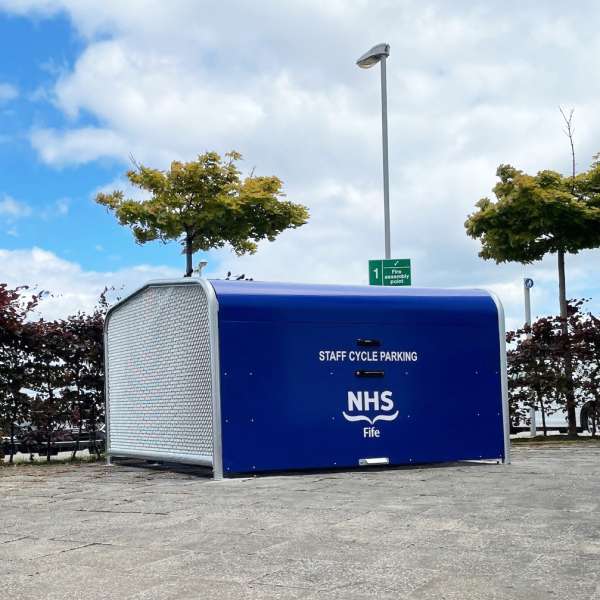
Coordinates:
[389,272]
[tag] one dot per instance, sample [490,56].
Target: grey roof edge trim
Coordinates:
[503,373]
[215,369]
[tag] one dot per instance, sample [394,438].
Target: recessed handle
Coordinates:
[368,342]
[362,373]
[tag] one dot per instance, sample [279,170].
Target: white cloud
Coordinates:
[471,85]
[8,92]
[77,146]
[61,206]
[72,288]
[45,7]
[11,209]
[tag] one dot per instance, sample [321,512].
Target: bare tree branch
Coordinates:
[570,132]
[134,162]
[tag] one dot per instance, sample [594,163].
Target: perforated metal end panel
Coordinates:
[159,379]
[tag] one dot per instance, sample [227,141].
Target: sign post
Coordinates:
[527,285]
[390,272]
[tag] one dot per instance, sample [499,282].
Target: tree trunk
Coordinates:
[94,440]
[189,268]
[78,441]
[12,442]
[49,419]
[543,411]
[80,428]
[570,392]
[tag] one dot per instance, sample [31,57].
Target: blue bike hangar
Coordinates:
[281,376]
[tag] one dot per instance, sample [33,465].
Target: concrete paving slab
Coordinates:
[34,548]
[7,537]
[465,531]
[367,578]
[108,557]
[249,543]
[195,589]
[80,582]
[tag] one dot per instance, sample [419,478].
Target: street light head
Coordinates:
[201,266]
[373,56]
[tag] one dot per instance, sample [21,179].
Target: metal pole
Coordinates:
[386,176]
[526,290]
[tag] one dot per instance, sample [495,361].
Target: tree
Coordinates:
[586,344]
[81,356]
[537,356]
[71,353]
[205,204]
[533,368]
[90,336]
[15,406]
[50,408]
[519,397]
[535,215]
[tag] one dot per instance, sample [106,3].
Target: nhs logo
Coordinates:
[372,402]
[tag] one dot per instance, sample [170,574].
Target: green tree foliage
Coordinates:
[534,215]
[205,204]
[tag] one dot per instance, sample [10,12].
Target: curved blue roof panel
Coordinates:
[270,301]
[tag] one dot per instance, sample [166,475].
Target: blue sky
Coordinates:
[64,218]
[84,85]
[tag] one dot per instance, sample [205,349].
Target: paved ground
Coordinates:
[527,531]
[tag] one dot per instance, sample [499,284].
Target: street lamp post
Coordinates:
[200,266]
[379,54]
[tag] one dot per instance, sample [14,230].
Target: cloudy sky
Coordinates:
[86,84]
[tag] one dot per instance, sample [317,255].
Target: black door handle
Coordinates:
[364,342]
[362,373]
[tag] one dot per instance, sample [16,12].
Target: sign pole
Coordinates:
[527,285]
